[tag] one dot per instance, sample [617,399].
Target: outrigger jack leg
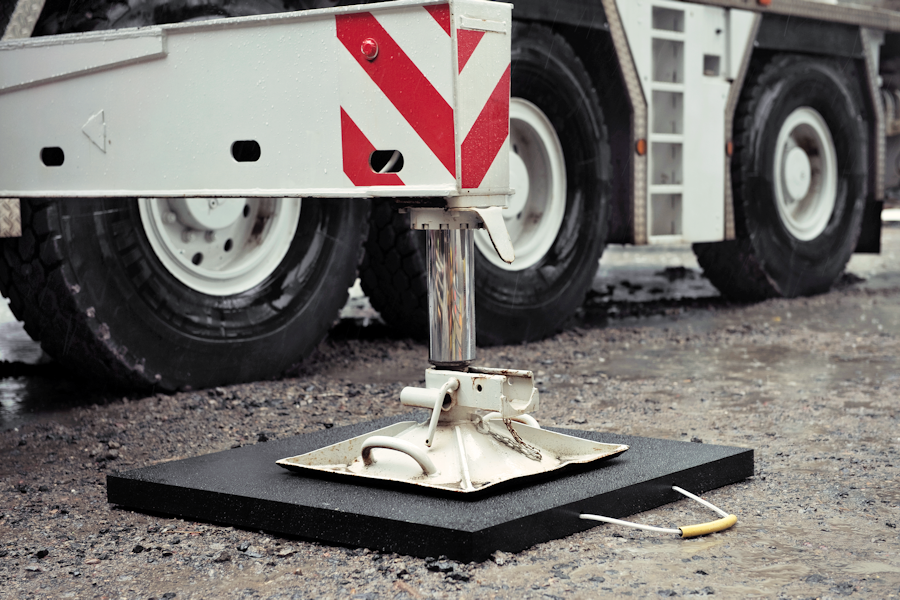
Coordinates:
[480,432]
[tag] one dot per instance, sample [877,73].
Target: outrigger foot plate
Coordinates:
[467,456]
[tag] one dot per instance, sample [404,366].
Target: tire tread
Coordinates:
[735,267]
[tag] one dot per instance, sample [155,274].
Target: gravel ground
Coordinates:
[811,384]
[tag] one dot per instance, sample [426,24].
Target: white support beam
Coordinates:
[285,105]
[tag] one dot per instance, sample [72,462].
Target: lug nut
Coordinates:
[210,236]
[187,236]
[170,218]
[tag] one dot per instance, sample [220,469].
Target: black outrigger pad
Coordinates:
[245,488]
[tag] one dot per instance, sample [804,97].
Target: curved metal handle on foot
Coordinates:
[392,443]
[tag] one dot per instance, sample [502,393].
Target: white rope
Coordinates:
[588,517]
[700,500]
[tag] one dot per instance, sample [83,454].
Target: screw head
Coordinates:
[369,48]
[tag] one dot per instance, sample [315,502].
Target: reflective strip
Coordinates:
[356,152]
[441,14]
[467,40]
[487,135]
[421,97]
[401,81]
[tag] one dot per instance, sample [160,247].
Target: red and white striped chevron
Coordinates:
[437,90]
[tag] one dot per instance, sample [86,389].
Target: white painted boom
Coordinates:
[301,104]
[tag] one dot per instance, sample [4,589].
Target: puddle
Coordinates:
[851,405]
[757,363]
[769,559]
[869,568]
[669,546]
[748,366]
[15,344]
[763,558]
[31,384]
[644,284]
[743,591]
[880,270]
[664,286]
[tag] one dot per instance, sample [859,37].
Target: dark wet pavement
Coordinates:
[648,286]
[810,384]
[31,384]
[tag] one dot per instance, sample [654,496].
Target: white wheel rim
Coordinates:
[220,246]
[805,174]
[537,173]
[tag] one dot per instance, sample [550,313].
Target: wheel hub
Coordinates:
[518,181]
[805,174]
[797,174]
[220,246]
[208,214]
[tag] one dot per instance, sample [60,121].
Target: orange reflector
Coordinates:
[641,147]
[764,2]
[729,147]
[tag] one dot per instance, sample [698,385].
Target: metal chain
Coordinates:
[526,449]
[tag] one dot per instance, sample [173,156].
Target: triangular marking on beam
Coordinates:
[95,129]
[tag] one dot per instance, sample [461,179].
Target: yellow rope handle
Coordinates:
[689,531]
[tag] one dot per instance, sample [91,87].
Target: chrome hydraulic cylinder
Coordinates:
[451,297]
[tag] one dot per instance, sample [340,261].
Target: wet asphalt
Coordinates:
[810,384]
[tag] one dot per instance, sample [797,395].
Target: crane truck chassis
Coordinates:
[764,133]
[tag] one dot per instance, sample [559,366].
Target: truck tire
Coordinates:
[799,179]
[103,285]
[560,167]
[114,292]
